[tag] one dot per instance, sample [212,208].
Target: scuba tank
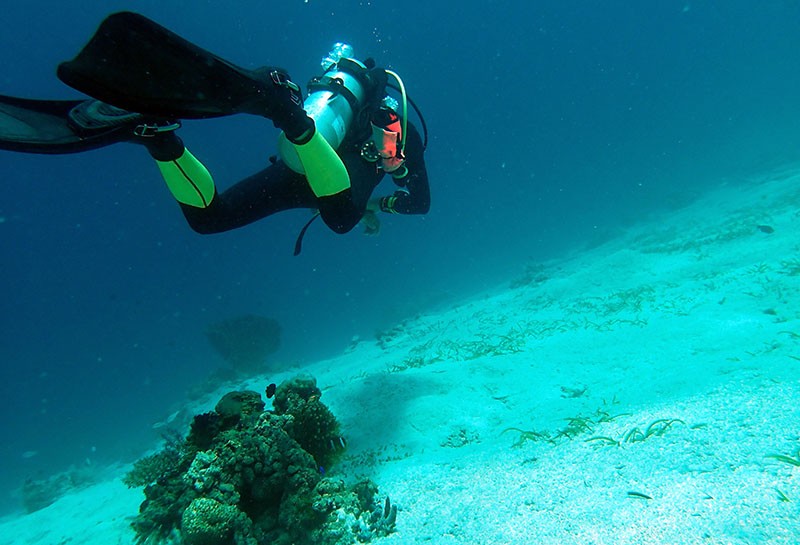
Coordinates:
[333,98]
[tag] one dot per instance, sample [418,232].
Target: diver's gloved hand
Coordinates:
[371,223]
[285,106]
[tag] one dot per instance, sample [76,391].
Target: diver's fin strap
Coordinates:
[188,180]
[150,130]
[324,169]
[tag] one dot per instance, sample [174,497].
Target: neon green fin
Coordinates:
[188,180]
[324,169]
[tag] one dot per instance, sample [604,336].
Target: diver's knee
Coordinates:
[203,229]
[340,228]
[339,212]
[338,222]
[200,220]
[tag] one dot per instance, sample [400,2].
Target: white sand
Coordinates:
[693,316]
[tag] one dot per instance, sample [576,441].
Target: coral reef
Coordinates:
[246,341]
[235,406]
[151,468]
[249,476]
[312,424]
[210,522]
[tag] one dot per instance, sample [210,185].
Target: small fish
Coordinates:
[271,390]
[638,495]
[28,454]
[765,229]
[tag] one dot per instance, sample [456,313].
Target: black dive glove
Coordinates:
[285,105]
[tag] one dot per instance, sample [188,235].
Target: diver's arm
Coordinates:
[414,197]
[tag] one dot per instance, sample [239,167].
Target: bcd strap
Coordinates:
[335,86]
[298,244]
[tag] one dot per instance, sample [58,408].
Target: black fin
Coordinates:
[136,64]
[62,126]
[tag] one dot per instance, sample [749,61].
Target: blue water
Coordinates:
[553,127]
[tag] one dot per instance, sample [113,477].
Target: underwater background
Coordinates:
[553,127]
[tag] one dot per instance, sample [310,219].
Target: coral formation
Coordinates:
[151,468]
[246,341]
[312,424]
[247,476]
[235,406]
[209,522]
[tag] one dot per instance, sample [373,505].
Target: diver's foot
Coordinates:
[163,146]
[93,115]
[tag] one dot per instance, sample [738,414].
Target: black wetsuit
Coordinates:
[278,188]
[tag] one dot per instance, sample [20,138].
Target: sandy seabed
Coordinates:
[633,393]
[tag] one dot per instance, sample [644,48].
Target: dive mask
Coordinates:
[385,145]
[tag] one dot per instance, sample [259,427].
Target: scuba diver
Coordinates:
[334,148]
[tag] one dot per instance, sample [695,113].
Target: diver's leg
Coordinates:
[343,210]
[324,170]
[271,190]
[187,178]
[339,212]
[274,189]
